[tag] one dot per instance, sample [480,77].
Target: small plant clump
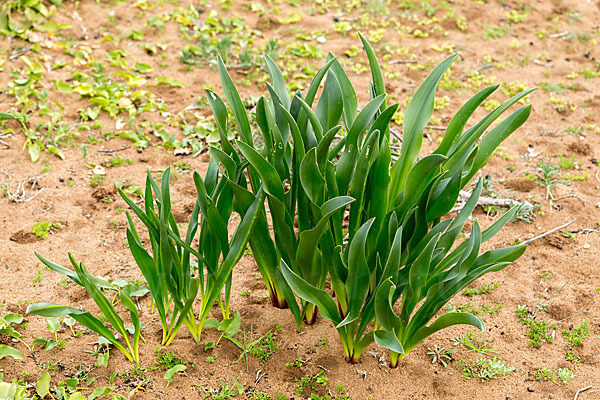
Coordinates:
[43,228]
[440,355]
[544,374]
[484,369]
[538,330]
[485,289]
[166,360]
[576,336]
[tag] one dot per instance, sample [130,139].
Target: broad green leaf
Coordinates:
[7,351]
[269,177]
[170,374]
[357,284]
[309,293]
[457,123]
[235,102]
[444,321]
[42,387]
[417,115]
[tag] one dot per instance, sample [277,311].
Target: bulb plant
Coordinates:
[175,280]
[94,286]
[396,247]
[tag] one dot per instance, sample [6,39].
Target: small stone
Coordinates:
[586,246]
[530,389]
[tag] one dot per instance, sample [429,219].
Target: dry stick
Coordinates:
[549,232]
[402,62]
[113,150]
[487,201]
[581,390]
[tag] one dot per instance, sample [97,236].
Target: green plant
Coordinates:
[166,360]
[6,329]
[576,336]
[471,341]
[94,286]
[565,375]
[43,228]
[575,359]
[484,369]
[96,180]
[548,176]
[262,348]
[171,372]
[544,374]
[485,289]
[395,245]
[171,275]
[538,330]
[440,355]
[225,392]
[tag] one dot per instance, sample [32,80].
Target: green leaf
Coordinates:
[388,340]
[269,177]
[330,106]
[278,82]
[309,293]
[444,321]
[348,94]
[357,284]
[457,123]
[417,115]
[170,374]
[235,102]
[42,387]
[376,75]
[7,351]
[230,326]
[492,140]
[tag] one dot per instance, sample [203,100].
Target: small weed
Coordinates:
[485,289]
[117,161]
[97,180]
[471,341]
[440,355]
[166,360]
[323,343]
[484,369]
[225,392]
[575,359]
[42,229]
[544,374]
[538,330]
[565,375]
[576,336]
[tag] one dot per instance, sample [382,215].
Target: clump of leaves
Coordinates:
[576,336]
[174,279]
[395,246]
[95,286]
[544,374]
[43,228]
[7,327]
[484,369]
[478,291]
[440,355]
[166,360]
[538,330]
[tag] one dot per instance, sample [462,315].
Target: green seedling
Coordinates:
[94,286]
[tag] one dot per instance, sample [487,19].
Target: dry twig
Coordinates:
[20,195]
